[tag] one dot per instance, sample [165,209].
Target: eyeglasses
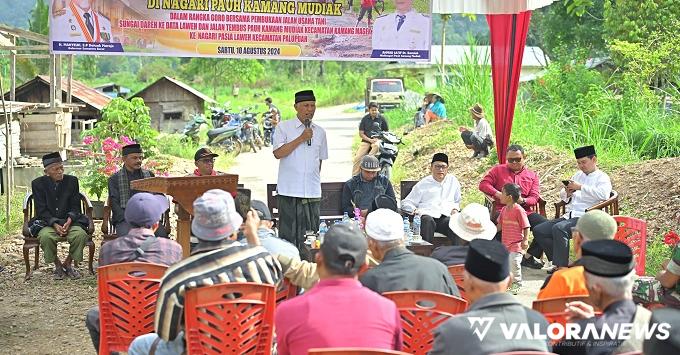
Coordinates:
[207,161]
[514,160]
[440,166]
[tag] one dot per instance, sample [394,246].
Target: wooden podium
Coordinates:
[184,190]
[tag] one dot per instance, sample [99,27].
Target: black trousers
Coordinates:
[535,248]
[429,225]
[554,236]
[471,138]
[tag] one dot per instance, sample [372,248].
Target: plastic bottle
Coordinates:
[407,229]
[358,219]
[416,225]
[323,228]
[345,217]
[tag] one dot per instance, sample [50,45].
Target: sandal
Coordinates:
[72,273]
[59,273]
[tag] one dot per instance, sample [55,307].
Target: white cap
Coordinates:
[473,222]
[384,225]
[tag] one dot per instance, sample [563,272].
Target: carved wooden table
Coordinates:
[184,190]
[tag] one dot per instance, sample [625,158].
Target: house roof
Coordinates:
[456,55]
[79,90]
[184,86]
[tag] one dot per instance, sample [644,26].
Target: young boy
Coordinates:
[366,7]
[514,223]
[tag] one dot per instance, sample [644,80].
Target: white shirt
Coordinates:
[595,188]
[483,129]
[414,33]
[434,198]
[72,26]
[299,173]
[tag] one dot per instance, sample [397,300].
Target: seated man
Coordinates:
[471,223]
[361,190]
[665,287]
[143,212]
[586,188]
[435,198]
[486,278]
[399,268]
[204,159]
[119,187]
[609,270]
[338,311]
[516,172]
[216,258]
[371,124]
[56,199]
[267,235]
[480,138]
[594,225]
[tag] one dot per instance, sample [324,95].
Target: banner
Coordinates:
[304,29]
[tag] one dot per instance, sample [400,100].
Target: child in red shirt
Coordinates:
[514,224]
[366,6]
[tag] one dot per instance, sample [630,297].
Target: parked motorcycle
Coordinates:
[268,128]
[192,128]
[226,137]
[388,150]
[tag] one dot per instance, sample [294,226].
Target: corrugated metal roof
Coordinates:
[184,86]
[83,92]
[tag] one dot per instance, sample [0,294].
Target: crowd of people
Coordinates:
[341,305]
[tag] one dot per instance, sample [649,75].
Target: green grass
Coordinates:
[16,216]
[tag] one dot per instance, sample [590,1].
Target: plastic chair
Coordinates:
[231,318]
[286,291]
[127,303]
[456,272]
[633,232]
[421,312]
[555,304]
[354,351]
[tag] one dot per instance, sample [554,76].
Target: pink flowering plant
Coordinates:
[123,122]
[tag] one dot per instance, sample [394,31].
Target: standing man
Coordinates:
[362,189]
[275,112]
[204,159]
[370,125]
[57,214]
[301,146]
[479,138]
[586,188]
[405,29]
[78,21]
[119,185]
[516,172]
[435,198]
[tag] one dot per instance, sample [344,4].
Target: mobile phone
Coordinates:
[242,202]
[566,182]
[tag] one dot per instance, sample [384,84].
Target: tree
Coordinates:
[218,72]
[38,22]
[637,20]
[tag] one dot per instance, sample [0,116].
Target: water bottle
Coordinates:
[345,217]
[323,228]
[416,225]
[407,229]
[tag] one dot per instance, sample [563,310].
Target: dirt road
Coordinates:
[256,170]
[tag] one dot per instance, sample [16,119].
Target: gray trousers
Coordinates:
[296,216]
[143,343]
[471,138]
[554,236]
[92,324]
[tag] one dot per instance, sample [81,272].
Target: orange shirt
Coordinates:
[565,282]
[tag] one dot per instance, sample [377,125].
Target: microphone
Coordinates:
[307,124]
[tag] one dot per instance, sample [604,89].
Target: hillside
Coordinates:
[16,12]
[648,190]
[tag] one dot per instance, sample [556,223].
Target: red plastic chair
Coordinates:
[456,272]
[127,303]
[231,318]
[286,291]
[421,312]
[354,351]
[633,232]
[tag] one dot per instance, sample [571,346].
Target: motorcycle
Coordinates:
[388,151]
[226,137]
[268,128]
[192,128]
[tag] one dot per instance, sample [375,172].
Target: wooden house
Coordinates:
[172,103]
